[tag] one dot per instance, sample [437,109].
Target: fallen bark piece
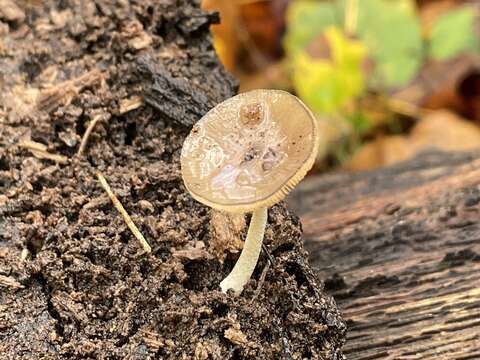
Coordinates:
[400,249]
[189,103]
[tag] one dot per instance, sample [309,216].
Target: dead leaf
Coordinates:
[225,39]
[440,85]
[442,130]
[273,76]
[263,22]
[447,131]
[382,151]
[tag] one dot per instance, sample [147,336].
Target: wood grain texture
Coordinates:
[400,251]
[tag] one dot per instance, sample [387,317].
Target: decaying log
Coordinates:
[400,249]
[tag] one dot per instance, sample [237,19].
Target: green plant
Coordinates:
[340,52]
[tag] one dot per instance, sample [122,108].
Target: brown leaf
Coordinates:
[379,152]
[441,130]
[225,37]
[447,131]
[446,84]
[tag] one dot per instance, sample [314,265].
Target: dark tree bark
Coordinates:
[400,249]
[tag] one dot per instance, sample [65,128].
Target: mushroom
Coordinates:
[245,155]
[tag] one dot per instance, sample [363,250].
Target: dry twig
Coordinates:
[128,220]
[351,17]
[91,126]
[40,151]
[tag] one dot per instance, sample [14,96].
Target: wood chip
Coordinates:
[236,336]
[193,253]
[7,281]
[130,104]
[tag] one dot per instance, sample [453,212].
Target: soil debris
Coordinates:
[85,290]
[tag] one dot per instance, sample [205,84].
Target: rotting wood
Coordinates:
[400,250]
[191,100]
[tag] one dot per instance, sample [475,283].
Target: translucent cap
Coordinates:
[249,151]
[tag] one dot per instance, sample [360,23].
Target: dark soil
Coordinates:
[74,283]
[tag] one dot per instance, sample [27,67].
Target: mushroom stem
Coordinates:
[243,269]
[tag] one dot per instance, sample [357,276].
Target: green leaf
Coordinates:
[306,20]
[392,34]
[453,33]
[326,84]
[389,29]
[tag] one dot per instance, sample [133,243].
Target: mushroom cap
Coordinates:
[249,151]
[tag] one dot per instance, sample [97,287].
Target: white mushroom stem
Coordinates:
[243,269]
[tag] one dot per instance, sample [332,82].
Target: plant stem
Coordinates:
[351,17]
[243,269]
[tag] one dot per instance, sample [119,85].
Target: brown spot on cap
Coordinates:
[252,114]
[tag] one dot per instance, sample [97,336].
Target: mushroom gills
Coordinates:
[243,269]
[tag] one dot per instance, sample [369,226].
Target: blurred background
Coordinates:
[386,78]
